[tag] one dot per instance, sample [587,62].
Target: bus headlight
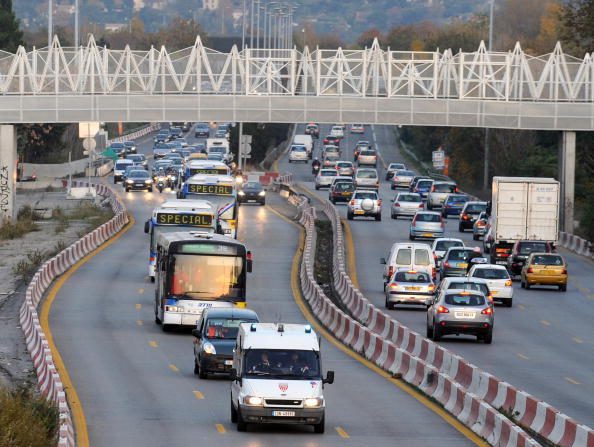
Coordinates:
[209,348]
[174,309]
[313,402]
[253,401]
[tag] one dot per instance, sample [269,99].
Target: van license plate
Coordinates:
[284,413]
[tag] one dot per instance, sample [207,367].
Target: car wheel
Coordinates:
[436,332]
[475,237]
[394,216]
[233,414]
[378,217]
[411,237]
[510,302]
[527,284]
[157,319]
[460,228]
[165,327]
[392,187]
[152,279]
[262,203]
[150,190]
[289,160]
[196,367]
[202,372]
[429,332]
[488,337]
[522,284]
[349,216]
[429,207]
[241,424]
[563,287]
[317,187]
[127,189]
[320,427]
[333,201]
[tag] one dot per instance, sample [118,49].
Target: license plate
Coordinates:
[359,212]
[548,272]
[228,362]
[468,315]
[413,288]
[427,235]
[494,292]
[345,194]
[284,413]
[463,265]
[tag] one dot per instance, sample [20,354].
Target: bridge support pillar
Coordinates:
[8,147]
[567,179]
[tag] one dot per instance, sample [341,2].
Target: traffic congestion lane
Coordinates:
[541,344]
[136,383]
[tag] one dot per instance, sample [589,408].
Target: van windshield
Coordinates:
[292,364]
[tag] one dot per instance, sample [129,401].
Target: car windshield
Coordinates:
[457,199]
[547,260]
[530,247]
[343,186]
[365,195]
[135,158]
[444,245]
[459,255]
[408,198]
[404,173]
[295,364]
[343,164]
[368,153]
[329,149]
[252,185]
[224,328]
[411,277]
[470,286]
[117,145]
[366,174]
[426,217]
[424,184]
[475,208]
[461,299]
[491,273]
[395,166]
[298,149]
[328,173]
[139,174]
[121,166]
[444,187]
[331,156]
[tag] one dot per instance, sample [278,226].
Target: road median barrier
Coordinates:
[50,384]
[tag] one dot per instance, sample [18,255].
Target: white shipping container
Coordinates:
[525,208]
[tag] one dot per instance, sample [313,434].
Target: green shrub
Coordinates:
[9,230]
[26,212]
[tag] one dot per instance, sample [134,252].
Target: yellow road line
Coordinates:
[139,322]
[173,368]
[578,340]
[342,433]
[421,398]
[521,306]
[545,322]
[78,414]
[522,356]
[141,291]
[198,395]
[153,344]
[220,428]
[572,381]
[351,259]
[138,306]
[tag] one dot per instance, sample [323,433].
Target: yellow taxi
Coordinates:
[545,269]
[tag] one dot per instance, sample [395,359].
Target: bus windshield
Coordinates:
[207,277]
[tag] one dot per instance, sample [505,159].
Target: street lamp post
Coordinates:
[487,148]
[76,20]
[243,27]
[252,24]
[258,24]
[50,22]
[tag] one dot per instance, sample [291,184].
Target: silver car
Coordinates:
[438,192]
[330,159]
[409,287]
[426,224]
[325,177]
[364,203]
[367,157]
[460,312]
[402,179]
[366,178]
[345,168]
[392,168]
[406,204]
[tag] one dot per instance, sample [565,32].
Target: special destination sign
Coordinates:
[194,220]
[220,190]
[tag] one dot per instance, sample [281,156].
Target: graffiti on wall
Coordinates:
[5,191]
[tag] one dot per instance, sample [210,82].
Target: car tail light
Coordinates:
[390,271]
[446,264]
[396,204]
[431,287]
[480,224]
[433,189]
[564,272]
[379,202]
[456,189]
[530,270]
[352,203]
[394,285]
[465,216]
[443,310]
[487,311]
[421,205]
[508,283]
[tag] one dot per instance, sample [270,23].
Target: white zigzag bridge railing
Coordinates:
[480,88]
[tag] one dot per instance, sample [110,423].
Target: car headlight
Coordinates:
[209,348]
[262,193]
[241,193]
[129,181]
[253,401]
[148,182]
[174,309]
[313,402]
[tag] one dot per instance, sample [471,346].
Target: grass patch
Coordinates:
[26,212]
[91,212]
[26,268]
[9,230]
[27,419]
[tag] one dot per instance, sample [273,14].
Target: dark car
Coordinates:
[130,147]
[520,252]
[341,192]
[162,136]
[221,132]
[455,262]
[252,192]
[186,126]
[453,204]
[176,132]
[118,148]
[415,180]
[139,160]
[138,179]
[216,334]
[469,214]
[201,130]
[312,129]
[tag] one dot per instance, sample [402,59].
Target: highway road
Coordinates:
[136,383]
[543,344]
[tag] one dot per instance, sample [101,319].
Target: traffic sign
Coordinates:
[438,158]
[246,148]
[88,129]
[89,144]
[246,138]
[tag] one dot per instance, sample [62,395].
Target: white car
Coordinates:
[357,128]
[364,203]
[366,178]
[345,168]
[298,153]
[325,177]
[443,244]
[498,279]
[337,131]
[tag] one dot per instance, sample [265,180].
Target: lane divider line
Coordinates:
[522,356]
[220,428]
[198,395]
[545,322]
[173,368]
[342,433]
[139,322]
[153,344]
[572,381]
[421,398]
[138,306]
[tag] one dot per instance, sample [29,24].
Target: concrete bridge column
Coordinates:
[8,157]
[567,179]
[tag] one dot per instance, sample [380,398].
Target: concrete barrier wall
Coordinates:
[57,170]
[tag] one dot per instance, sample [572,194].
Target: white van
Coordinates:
[298,153]
[277,376]
[415,256]
[304,140]
[120,168]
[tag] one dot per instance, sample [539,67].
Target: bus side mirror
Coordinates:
[147,226]
[249,262]
[329,378]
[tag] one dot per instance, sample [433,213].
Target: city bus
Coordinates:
[177,215]
[207,167]
[221,191]
[198,270]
